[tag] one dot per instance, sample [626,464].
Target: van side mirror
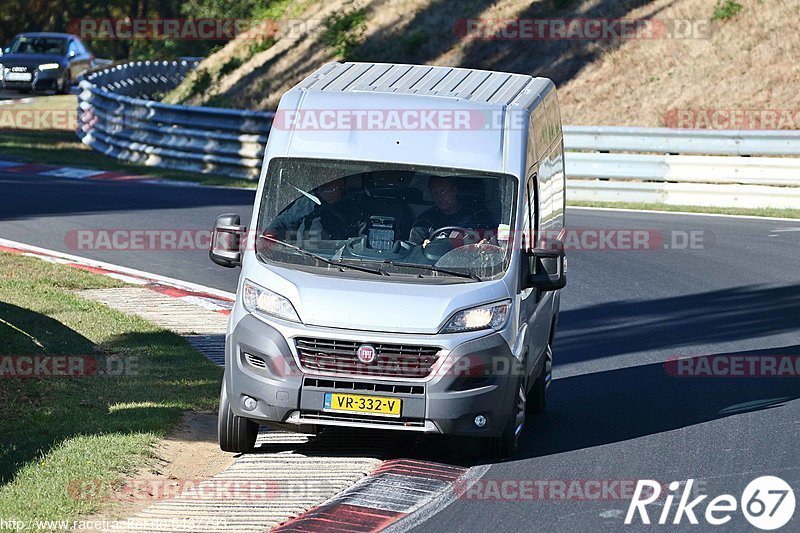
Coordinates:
[226,241]
[547,269]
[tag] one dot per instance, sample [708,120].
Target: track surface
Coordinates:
[615,413]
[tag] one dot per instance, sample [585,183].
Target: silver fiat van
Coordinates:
[403,265]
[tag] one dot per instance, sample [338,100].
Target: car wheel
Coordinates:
[507,443]
[537,397]
[236,434]
[64,84]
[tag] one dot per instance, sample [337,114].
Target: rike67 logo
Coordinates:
[767,503]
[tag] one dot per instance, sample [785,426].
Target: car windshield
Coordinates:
[407,222]
[39,45]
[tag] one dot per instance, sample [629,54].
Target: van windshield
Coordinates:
[407,222]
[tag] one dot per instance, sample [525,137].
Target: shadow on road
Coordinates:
[624,327]
[26,196]
[605,407]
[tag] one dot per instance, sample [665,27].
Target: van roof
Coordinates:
[471,85]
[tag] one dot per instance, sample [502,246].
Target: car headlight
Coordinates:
[49,66]
[486,316]
[259,300]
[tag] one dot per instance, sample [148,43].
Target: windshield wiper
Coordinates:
[321,258]
[436,269]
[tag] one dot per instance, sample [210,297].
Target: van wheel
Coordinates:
[236,434]
[507,443]
[537,398]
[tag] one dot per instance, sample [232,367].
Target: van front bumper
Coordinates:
[477,376]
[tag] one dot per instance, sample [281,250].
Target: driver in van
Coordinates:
[448,210]
[331,219]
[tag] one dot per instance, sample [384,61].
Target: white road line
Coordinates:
[622,210]
[72,173]
[187,285]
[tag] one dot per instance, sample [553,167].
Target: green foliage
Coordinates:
[259,45]
[229,66]
[345,31]
[201,82]
[414,41]
[726,10]
[273,10]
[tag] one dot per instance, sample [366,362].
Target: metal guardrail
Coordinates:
[601,168]
[682,141]
[117,116]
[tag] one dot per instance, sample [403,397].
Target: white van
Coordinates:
[404,261]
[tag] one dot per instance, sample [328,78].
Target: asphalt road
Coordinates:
[616,413]
[48,212]
[15,95]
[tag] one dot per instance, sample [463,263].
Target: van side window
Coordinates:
[529,212]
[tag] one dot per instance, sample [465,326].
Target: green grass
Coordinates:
[201,82]
[55,431]
[758,212]
[259,45]
[229,66]
[57,147]
[345,31]
[274,10]
[726,10]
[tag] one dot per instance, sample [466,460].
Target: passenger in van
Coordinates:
[331,219]
[449,210]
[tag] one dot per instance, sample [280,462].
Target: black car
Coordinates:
[43,62]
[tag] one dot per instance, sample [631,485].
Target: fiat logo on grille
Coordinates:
[366,353]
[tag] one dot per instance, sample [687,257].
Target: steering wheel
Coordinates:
[444,231]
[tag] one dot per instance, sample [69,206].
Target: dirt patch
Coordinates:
[188,453]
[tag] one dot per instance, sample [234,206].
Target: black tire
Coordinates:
[507,443]
[65,84]
[537,397]
[235,434]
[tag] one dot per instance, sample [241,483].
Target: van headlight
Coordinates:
[487,316]
[49,66]
[259,300]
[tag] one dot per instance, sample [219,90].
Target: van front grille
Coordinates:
[388,388]
[391,360]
